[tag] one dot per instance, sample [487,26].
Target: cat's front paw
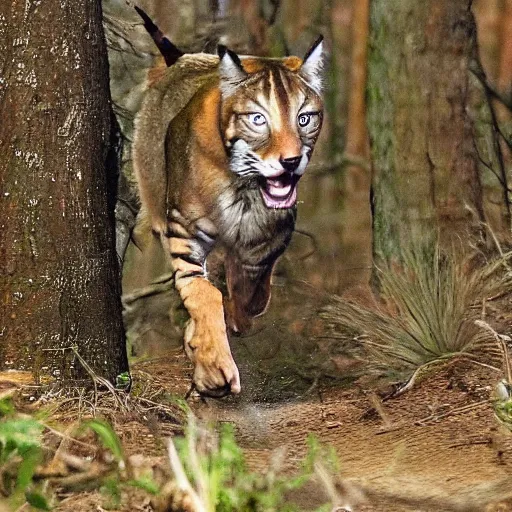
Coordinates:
[215,371]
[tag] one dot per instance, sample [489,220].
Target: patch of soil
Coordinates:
[436,447]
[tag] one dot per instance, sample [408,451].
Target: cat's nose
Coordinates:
[291,164]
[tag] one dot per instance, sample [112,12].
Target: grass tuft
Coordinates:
[428,309]
[210,474]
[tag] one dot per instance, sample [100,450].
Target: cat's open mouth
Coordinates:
[280,191]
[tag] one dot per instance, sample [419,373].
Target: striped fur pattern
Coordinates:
[220,145]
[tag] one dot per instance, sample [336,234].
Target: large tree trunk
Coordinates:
[426,143]
[60,276]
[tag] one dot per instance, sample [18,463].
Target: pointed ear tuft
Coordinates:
[313,64]
[231,72]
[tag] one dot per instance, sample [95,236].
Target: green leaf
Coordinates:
[123,380]
[23,433]
[37,500]
[108,437]
[31,458]
[6,407]
[19,436]
[112,491]
[146,484]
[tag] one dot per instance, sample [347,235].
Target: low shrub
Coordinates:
[426,311]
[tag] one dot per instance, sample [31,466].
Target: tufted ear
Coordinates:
[313,65]
[231,71]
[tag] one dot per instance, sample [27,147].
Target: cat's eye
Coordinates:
[309,119]
[257,119]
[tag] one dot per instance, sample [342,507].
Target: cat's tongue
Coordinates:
[280,192]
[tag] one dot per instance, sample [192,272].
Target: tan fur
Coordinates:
[156,73]
[186,137]
[254,64]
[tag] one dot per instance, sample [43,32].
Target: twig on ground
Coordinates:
[377,405]
[452,412]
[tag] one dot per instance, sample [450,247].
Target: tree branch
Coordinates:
[489,89]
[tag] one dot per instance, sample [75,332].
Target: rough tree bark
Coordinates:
[60,279]
[426,144]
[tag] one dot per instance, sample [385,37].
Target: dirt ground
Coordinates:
[436,447]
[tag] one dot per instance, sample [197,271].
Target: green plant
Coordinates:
[210,469]
[21,451]
[116,481]
[108,438]
[429,305]
[502,403]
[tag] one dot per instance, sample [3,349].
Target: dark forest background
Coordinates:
[416,141]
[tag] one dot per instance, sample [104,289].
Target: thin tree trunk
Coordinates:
[489,18]
[423,140]
[357,137]
[356,209]
[59,274]
[505,59]
[502,114]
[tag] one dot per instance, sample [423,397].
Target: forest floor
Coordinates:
[435,447]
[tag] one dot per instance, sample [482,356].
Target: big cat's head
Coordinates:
[271,115]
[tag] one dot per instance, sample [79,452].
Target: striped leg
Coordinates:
[249,293]
[206,341]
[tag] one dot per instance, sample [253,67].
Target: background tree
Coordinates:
[59,274]
[433,139]
[334,194]
[356,213]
